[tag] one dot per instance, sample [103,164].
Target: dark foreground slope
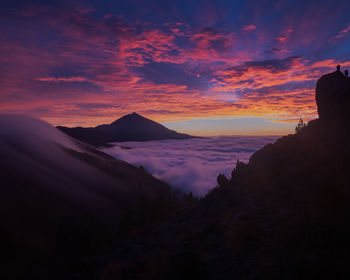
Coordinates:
[132,127]
[60,197]
[284,215]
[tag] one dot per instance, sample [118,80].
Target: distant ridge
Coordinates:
[131,127]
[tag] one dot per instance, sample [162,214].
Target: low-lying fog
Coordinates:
[192,164]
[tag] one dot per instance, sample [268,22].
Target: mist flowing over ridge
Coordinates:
[34,153]
[52,183]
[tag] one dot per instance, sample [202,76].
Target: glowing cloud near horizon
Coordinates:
[90,64]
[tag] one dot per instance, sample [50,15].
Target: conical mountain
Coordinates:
[131,127]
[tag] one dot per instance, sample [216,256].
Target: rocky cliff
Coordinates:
[333,99]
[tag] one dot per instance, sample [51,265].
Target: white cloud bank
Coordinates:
[192,164]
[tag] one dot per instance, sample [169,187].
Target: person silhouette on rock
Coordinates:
[346,73]
[338,68]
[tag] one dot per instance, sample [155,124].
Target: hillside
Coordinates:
[56,189]
[283,215]
[132,127]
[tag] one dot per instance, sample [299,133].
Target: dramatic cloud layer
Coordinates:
[86,63]
[193,164]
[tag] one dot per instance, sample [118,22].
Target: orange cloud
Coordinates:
[237,73]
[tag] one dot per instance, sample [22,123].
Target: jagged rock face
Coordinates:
[333,98]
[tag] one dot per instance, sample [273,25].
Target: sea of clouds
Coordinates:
[191,165]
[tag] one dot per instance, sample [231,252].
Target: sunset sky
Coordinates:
[204,67]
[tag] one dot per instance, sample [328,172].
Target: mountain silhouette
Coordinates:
[282,215]
[132,127]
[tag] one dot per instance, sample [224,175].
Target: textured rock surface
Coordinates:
[333,98]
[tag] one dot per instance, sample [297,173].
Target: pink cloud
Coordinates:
[265,85]
[61,79]
[107,53]
[284,36]
[341,34]
[249,28]
[281,38]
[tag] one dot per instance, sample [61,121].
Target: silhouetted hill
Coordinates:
[132,127]
[283,215]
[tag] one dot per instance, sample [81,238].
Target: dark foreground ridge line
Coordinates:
[283,215]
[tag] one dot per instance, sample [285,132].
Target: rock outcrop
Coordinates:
[333,99]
